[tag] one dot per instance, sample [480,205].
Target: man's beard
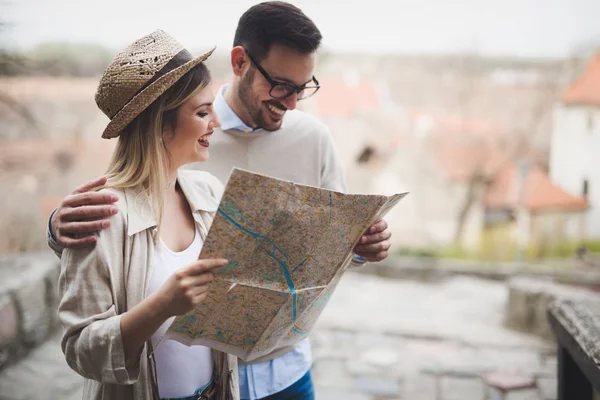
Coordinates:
[250,104]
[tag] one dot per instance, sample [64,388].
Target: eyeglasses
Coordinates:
[280,90]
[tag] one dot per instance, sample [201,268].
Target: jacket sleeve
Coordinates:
[90,283]
[54,246]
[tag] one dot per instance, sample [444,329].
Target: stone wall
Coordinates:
[529,299]
[28,301]
[431,269]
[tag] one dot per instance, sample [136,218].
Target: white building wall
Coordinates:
[575,156]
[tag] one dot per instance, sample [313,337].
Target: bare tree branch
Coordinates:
[522,140]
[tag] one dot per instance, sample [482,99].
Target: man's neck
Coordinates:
[233,102]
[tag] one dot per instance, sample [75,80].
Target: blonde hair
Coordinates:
[140,157]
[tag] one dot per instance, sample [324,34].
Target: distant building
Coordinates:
[452,165]
[525,207]
[575,146]
[444,161]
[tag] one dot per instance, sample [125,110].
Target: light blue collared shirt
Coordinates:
[269,377]
[229,119]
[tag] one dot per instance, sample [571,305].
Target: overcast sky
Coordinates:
[548,28]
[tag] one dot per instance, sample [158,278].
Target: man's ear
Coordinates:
[239,61]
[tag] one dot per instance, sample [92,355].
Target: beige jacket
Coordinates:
[99,283]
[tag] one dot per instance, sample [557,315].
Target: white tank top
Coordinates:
[180,369]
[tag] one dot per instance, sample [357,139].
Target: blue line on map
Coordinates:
[259,239]
[298,331]
[299,265]
[330,206]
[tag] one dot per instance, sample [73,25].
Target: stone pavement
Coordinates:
[377,339]
[394,339]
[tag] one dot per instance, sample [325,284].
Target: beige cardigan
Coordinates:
[99,283]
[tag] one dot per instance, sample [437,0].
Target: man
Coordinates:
[272,61]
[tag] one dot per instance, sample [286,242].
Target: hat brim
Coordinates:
[146,97]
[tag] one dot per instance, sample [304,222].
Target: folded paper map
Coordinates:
[287,246]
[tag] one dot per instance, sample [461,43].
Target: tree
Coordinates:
[10,63]
[471,79]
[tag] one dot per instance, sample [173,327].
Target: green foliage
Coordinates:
[57,59]
[70,59]
[593,246]
[416,252]
[507,252]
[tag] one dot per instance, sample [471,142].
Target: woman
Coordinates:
[119,296]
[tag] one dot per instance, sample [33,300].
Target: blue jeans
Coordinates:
[303,389]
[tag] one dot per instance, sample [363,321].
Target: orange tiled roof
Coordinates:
[56,88]
[30,152]
[338,99]
[540,193]
[463,146]
[461,161]
[586,88]
[457,124]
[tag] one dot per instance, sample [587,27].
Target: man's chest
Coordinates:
[291,160]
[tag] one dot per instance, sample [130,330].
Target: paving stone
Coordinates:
[343,338]
[433,352]
[548,388]
[44,373]
[420,387]
[359,368]
[462,371]
[549,367]
[519,361]
[366,340]
[379,387]
[327,393]
[406,366]
[523,394]
[461,388]
[433,370]
[332,373]
[320,339]
[380,357]
[509,382]
[332,353]
[528,394]
[511,386]
[492,393]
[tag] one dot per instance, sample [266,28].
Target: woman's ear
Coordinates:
[168,130]
[169,122]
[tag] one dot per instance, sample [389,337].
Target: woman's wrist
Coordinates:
[157,307]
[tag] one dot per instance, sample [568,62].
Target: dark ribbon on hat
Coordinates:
[177,61]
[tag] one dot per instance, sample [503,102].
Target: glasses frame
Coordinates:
[274,83]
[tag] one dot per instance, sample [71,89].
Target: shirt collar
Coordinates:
[140,216]
[229,119]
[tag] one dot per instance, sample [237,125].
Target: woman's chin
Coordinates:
[202,157]
[196,158]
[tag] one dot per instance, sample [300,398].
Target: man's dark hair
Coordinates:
[276,22]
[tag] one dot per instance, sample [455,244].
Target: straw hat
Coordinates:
[139,75]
